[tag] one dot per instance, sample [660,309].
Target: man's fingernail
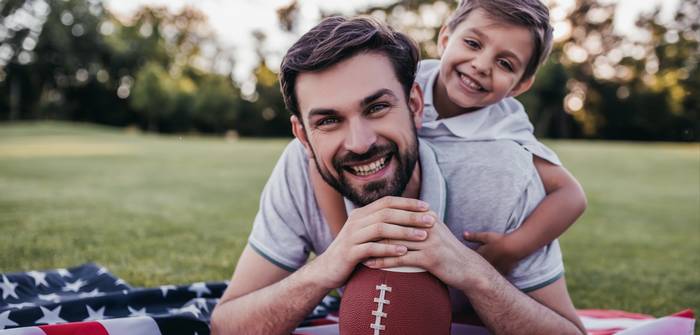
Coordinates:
[419,233]
[401,249]
[429,219]
[423,204]
[369,263]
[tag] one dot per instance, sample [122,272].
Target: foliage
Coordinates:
[164,71]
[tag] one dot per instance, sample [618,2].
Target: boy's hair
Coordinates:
[531,14]
[336,39]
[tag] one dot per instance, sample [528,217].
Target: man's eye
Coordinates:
[327,122]
[377,108]
[472,44]
[506,65]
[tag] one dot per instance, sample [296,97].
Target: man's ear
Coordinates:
[415,103]
[300,133]
[443,38]
[522,87]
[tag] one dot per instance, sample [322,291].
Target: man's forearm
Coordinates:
[276,309]
[506,310]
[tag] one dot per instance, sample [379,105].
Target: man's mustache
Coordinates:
[375,150]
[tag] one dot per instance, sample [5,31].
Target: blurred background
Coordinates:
[623,70]
[131,134]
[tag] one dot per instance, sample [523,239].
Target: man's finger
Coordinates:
[373,249]
[382,230]
[407,204]
[411,258]
[481,237]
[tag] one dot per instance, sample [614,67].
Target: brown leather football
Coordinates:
[397,301]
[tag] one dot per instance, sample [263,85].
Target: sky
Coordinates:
[234,20]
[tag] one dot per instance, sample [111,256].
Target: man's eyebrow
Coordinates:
[511,54]
[376,95]
[321,112]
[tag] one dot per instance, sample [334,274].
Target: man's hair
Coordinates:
[531,14]
[336,39]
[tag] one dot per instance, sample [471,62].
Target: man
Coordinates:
[349,85]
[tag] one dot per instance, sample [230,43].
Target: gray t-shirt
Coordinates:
[473,186]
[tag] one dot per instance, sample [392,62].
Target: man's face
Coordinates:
[359,126]
[483,60]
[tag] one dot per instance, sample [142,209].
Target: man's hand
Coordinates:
[392,218]
[441,254]
[495,249]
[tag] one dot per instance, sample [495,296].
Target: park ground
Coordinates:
[177,209]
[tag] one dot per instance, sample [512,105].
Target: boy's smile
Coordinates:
[482,62]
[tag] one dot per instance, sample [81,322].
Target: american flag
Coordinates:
[88,299]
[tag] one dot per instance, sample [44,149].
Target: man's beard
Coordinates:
[369,192]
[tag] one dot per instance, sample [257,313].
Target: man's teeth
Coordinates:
[472,84]
[368,169]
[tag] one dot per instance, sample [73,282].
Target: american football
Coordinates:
[396,301]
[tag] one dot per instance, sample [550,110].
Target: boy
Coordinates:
[490,51]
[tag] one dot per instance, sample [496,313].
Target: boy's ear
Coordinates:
[415,103]
[522,87]
[443,38]
[300,133]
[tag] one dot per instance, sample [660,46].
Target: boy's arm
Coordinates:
[564,203]
[328,200]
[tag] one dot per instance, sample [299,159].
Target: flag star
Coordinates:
[189,309]
[137,312]
[166,288]
[74,286]
[120,282]
[95,315]
[93,293]
[201,303]
[50,316]
[50,297]
[20,305]
[8,288]
[102,271]
[64,273]
[5,320]
[199,288]
[39,278]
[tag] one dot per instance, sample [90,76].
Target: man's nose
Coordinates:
[360,137]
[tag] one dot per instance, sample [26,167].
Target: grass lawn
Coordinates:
[172,210]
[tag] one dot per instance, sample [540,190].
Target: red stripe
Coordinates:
[688,313]
[75,328]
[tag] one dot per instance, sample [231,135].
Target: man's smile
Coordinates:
[369,168]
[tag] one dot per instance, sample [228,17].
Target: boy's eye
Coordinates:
[505,64]
[472,43]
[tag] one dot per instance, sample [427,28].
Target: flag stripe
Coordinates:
[75,328]
[141,325]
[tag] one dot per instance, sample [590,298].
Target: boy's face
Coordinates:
[359,126]
[483,60]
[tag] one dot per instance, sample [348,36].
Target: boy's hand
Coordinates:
[495,249]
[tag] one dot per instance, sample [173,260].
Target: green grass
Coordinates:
[170,209]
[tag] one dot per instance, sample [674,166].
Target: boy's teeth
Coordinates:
[472,84]
[367,169]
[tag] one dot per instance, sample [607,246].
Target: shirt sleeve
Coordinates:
[545,265]
[279,233]
[515,125]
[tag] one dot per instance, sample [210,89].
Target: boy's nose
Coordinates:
[481,65]
[360,137]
